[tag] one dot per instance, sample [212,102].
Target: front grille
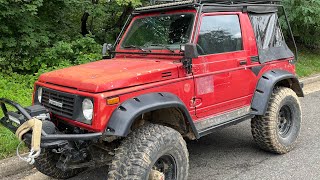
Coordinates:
[67,101]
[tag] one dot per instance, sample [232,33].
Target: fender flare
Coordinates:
[265,88]
[123,117]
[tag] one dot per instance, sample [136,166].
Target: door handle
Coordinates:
[242,62]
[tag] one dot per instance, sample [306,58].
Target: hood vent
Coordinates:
[166,74]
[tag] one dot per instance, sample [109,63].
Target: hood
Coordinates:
[107,75]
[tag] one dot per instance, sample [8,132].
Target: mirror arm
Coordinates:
[187,64]
[107,49]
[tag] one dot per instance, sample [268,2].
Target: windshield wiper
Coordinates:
[164,46]
[137,47]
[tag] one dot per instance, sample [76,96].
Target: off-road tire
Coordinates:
[266,129]
[46,164]
[138,153]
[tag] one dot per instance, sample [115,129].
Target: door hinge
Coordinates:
[195,102]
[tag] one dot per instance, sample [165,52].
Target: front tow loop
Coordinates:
[36,126]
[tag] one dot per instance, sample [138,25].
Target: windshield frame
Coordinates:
[120,49]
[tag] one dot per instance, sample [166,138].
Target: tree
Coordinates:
[304,17]
[30,28]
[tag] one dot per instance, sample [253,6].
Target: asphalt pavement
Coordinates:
[232,154]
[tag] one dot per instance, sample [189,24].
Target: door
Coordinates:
[223,81]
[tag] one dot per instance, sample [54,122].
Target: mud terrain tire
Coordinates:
[46,164]
[277,131]
[140,153]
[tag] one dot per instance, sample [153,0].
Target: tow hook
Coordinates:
[36,126]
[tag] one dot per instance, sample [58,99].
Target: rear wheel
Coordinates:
[277,131]
[151,152]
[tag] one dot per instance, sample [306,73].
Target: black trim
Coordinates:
[241,1]
[123,117]
[60,140]
[127,23]
[291,34]
[256,69]
[167,8]
[225,124]
[208,9]
[170,5]
[147,53]
[263,10]
[265,88]
[254,58]
[4,101]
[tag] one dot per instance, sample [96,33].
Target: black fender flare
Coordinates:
[265,88]
[123,117]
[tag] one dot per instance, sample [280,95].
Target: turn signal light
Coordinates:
[112,101]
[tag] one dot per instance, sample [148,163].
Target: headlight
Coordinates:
[87,108]
[39,94]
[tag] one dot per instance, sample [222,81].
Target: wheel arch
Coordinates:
[267,83]
[130,111]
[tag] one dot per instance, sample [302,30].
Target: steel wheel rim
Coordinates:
[285,121]
[166,164]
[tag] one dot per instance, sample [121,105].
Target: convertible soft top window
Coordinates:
[270,40]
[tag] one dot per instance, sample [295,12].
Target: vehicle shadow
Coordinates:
[224,150]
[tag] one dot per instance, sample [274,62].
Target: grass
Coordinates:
[19,88]
[308,63]
[19,91]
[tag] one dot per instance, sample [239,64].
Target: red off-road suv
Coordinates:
[178,71]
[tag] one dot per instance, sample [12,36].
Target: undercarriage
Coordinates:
[72,147]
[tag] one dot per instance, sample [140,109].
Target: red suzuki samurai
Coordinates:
[178,70]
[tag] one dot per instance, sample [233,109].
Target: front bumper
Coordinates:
[12,120]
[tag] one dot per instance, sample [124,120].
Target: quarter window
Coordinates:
[219,34]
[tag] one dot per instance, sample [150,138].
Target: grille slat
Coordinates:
[61,111]
[67,101]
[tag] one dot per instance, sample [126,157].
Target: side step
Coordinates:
[210,124]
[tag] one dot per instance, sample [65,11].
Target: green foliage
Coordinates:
[75,52]
[304,17]
[19,89]
[25,28]
[44,32]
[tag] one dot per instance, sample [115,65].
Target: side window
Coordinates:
[218,34]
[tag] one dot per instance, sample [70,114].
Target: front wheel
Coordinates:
[46,163]
[277,131]
[151,152]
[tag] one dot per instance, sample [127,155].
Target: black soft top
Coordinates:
[257,6]
[263,15]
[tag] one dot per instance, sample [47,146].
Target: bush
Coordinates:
[76,52]
[304,17]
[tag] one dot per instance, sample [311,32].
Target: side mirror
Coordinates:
[106,51]
[190,51]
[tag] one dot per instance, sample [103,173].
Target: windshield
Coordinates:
[159,32]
